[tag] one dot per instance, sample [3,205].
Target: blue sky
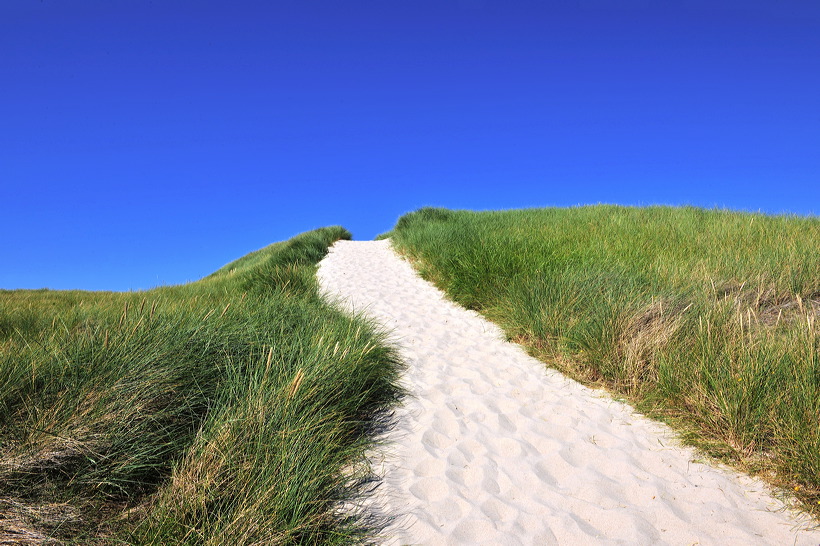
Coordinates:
[150,142]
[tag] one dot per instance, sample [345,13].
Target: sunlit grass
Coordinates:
[707,319]
[235,409]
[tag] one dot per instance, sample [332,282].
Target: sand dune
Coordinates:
[492,448]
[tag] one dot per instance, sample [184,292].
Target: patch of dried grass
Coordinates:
[23,523]
[645,335]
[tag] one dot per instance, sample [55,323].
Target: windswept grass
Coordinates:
[706,319]
[232,410]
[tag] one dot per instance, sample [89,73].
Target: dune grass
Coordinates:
[705,319]
[232,410]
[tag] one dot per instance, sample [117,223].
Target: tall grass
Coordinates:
[707,319]
[235,409]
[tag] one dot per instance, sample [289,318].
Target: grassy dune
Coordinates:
[705,319]
[232,410]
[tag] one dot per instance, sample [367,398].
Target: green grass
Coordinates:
[705,319]
[232,410]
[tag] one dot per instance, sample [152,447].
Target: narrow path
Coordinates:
[492,448]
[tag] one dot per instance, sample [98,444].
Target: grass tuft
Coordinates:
[208,413]
[706,319]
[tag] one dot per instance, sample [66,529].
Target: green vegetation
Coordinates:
[705,319]
[232,410]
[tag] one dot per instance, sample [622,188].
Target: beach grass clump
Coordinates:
[235,409]
[707,319]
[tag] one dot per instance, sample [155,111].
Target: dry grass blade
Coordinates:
[295,383]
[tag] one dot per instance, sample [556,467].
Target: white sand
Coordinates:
[492,448]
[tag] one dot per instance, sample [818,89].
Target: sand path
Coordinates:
[492,448]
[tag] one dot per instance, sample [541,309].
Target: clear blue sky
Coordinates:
[150,142]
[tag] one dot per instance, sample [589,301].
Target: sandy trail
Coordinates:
[492,448]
